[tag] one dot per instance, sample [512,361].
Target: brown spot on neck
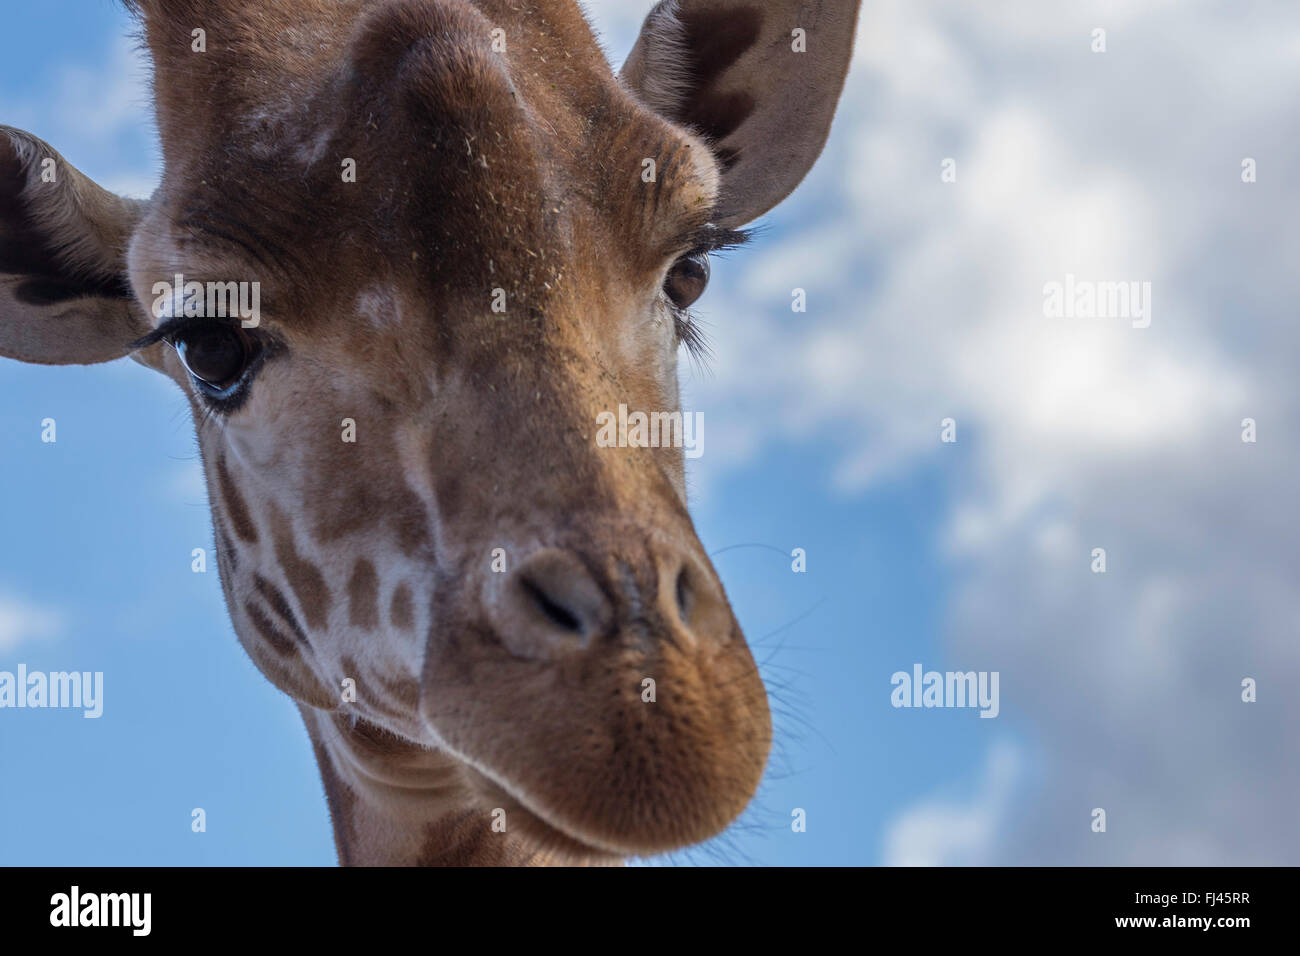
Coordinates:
[280,604]
[400,612]
[270,633]
[363,596]
[233,504]
[304,578]
[227,558]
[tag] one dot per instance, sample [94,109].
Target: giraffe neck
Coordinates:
[393,803]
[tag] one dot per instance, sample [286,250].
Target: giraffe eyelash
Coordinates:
[691,337]
[711,239]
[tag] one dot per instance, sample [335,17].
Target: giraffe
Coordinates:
[470,238]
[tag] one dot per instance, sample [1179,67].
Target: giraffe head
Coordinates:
[458,243]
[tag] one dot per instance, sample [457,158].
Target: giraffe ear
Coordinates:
[64,297]
[759,79]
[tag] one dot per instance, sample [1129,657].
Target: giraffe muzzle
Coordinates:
[610,697]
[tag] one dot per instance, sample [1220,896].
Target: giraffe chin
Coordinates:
[545,839]
[583,839]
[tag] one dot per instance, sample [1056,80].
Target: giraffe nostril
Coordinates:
[551,604]
[555,612]
[685,596]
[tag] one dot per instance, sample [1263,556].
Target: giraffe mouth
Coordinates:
[543,836]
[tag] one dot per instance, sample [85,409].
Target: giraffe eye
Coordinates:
[687,280]
[216,356]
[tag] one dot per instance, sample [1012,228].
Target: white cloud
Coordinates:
[21,623]
[951,833]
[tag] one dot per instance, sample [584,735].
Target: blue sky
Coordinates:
[1118,691]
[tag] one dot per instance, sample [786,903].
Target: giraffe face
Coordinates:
[459,246]
[410,498]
